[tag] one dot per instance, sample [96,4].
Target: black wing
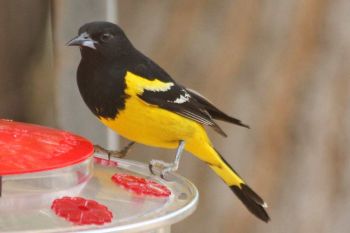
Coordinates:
[185,102]
[178,100]
[214,111]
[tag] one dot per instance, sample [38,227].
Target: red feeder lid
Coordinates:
[26,148]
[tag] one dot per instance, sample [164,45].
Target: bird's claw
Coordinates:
[110,153]
[164,167]
[150,167]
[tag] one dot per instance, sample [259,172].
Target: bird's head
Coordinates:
[103,38]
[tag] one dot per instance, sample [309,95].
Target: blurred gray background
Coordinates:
[280,66]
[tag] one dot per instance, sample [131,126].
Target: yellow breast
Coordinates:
[149,124]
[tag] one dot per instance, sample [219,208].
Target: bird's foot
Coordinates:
[164,167]
[113,153]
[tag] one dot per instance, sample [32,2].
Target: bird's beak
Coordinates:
[82,40]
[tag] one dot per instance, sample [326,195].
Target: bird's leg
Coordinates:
[126,149]
[168,167]
[114,153]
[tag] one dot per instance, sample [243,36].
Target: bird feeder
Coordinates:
[51,181]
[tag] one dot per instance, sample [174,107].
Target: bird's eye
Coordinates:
[106,37]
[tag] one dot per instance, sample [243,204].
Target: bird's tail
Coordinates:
[254,203]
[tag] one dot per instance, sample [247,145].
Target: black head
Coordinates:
[102,38]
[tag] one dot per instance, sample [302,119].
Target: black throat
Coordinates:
[101,83]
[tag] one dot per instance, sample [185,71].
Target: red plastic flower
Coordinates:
[141,185]
[81,211]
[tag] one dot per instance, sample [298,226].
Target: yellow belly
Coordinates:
[150,125]
[153,126]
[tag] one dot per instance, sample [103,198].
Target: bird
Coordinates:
[131,94]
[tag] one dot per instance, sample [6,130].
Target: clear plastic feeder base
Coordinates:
[26,202]
[93,195]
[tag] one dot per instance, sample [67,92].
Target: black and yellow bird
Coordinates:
[133,96]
